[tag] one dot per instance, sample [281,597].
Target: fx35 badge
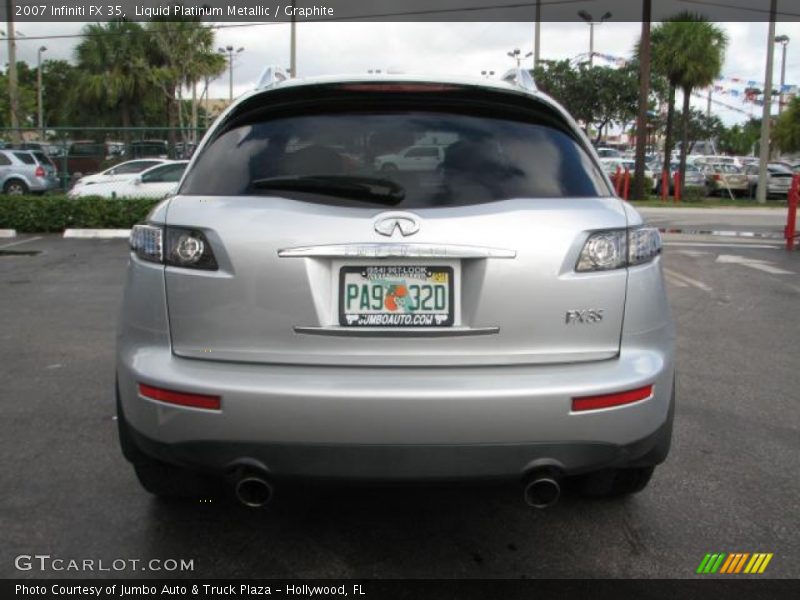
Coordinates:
[590,315]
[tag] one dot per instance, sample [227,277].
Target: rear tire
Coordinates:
[15,187]
[159,478]
[610,483]
[170,482]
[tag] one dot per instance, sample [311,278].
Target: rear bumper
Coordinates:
[44,184]
[399,424]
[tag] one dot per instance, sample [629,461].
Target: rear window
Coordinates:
[87,150]
[170,173]
[43,158]
[437,158]
[25,157]
[134,167]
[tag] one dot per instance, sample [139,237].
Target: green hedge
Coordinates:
[48,214]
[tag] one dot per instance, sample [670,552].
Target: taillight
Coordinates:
[146,242]
[398,87]
[716,177]
[180,398]
[185,248]
[617,248]
[610,400]
[39,171]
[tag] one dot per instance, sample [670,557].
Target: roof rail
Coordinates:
[271,75]
[521,78]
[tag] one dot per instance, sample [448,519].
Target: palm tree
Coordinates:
[112,60]
[666,62]
[704,46]
[688,51]
[204,63]
[185,54]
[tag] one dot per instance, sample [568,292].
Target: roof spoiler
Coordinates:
[521,78]
[270,76]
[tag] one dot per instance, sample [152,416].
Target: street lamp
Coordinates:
[39,89]
[230,52]
[516,54]
[13,92]
[783,40]
[591,22]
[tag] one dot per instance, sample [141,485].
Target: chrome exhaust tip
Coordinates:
[254,491]
[542,491]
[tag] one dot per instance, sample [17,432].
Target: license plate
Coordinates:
[396,296]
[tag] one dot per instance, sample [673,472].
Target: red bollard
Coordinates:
[618,181]
[677,184]
[626,185]
[791,219]
[664,185]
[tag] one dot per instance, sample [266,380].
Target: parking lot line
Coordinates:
[686,279]
[675,281]
[721,245]
[17,243]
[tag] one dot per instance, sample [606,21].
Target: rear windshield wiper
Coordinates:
[374,189]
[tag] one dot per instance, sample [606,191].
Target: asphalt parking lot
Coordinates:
[730,484]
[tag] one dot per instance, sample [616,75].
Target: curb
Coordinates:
[8,233]
[105,234]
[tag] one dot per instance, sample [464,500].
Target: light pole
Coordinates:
[766,115]
[591,22]
[13,95]
[39,89]
[644,94]
[293,46]
[516,54]
[783,40]
[537,43]
[230,52]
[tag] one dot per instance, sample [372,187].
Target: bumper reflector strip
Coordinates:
[181,398]
[609,400]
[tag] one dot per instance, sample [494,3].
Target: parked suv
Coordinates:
[26,171]
[286,317]
[779,180]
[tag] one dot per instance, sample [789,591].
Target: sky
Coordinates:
[435,48]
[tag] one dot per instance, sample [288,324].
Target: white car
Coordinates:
[611,165]
[155,182]
[648,172]
[121,172]
[604,152]
[414,158]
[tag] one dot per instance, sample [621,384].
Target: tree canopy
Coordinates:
[596,96]
[787,129]
[123,74]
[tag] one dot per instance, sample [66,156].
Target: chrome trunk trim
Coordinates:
[373,250]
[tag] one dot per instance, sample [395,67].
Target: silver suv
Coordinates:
[296,312]
[26,171]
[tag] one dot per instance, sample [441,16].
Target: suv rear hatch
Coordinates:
[325,257]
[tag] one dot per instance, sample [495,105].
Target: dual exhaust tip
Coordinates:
[253,489]
[542,489]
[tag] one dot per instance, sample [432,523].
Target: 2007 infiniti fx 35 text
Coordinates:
[305,307]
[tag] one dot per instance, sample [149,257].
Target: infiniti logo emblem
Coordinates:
[387,223]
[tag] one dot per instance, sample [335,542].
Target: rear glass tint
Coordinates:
[134,167]
[43,159]
[438,158]
[25,157]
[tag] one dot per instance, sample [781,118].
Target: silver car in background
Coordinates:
[26,171]
[779,180]
[295,313]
